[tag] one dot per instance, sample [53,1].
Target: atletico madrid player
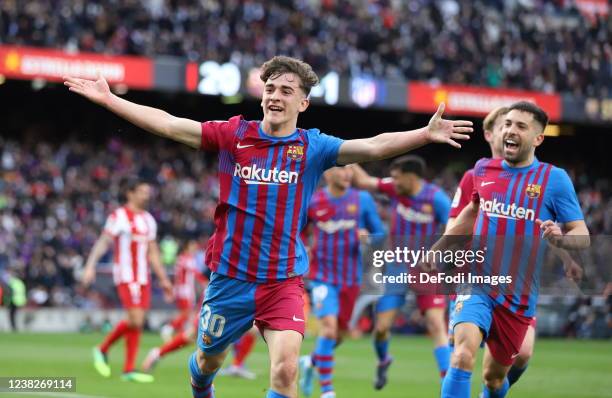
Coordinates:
[131,230]
[268,170]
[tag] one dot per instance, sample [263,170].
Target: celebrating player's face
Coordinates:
[283,99]
[521,133]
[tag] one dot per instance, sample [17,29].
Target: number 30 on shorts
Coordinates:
[212,323]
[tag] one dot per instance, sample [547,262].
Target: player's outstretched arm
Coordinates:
[150,119]
[362,180]
[388,145]
[100,247]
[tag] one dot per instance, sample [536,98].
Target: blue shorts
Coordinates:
[338,301]
[231,306]
[390,302]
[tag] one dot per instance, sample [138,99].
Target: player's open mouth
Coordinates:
[274,108]
[511,144]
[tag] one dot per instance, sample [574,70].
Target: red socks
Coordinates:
[132,338]
[177,342]
[243,348]
[113,336]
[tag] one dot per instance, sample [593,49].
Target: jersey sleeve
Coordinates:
[326,148]
[463,195]
[385,186]
[564,200]
[478,170]
[442,206]
[368,217]
[152,228]
[219,134]
[111,226]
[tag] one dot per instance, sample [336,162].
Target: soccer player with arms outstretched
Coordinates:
[419,210]
[131,230]
[510,199]
[338,216]
[268,171]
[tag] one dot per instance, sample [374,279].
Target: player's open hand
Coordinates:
[444,131]
[551,232]
[96,91]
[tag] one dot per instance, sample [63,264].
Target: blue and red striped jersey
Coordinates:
[416,219]
[335,252]
[510,200]
[463,194]
[266,184]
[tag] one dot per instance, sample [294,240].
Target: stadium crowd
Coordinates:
[544,45]
[54,199]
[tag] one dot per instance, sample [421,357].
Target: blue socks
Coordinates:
[515,373]
[456,384]
[201,384]
[442,355]
[500,393]
[324,360]
[274,394]
[382,349]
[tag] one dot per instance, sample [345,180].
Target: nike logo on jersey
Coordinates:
[296,319]
[320,213]
[243,146]
[484,184]
[514,355]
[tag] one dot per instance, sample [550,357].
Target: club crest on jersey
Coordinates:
[533,190]
[206,339]
[458,307]
[295,152]
[351,209]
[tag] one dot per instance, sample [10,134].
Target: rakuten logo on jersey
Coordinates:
[256,175]
[494,208]
[411,215]
[333,226]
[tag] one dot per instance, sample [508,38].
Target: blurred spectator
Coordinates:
[543,45]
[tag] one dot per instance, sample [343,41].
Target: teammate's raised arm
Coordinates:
[150,119]
[362,180]
[388,145]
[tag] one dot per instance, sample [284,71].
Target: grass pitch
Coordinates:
[560,368]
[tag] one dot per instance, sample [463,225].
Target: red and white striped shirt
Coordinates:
[131,231]
[184,277]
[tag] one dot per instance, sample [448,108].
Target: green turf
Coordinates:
[560,368]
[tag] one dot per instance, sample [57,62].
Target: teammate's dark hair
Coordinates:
[409,164]
[281,64]
[129,184]
[538,113]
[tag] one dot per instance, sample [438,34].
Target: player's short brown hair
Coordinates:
[489,121]
[281,64]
